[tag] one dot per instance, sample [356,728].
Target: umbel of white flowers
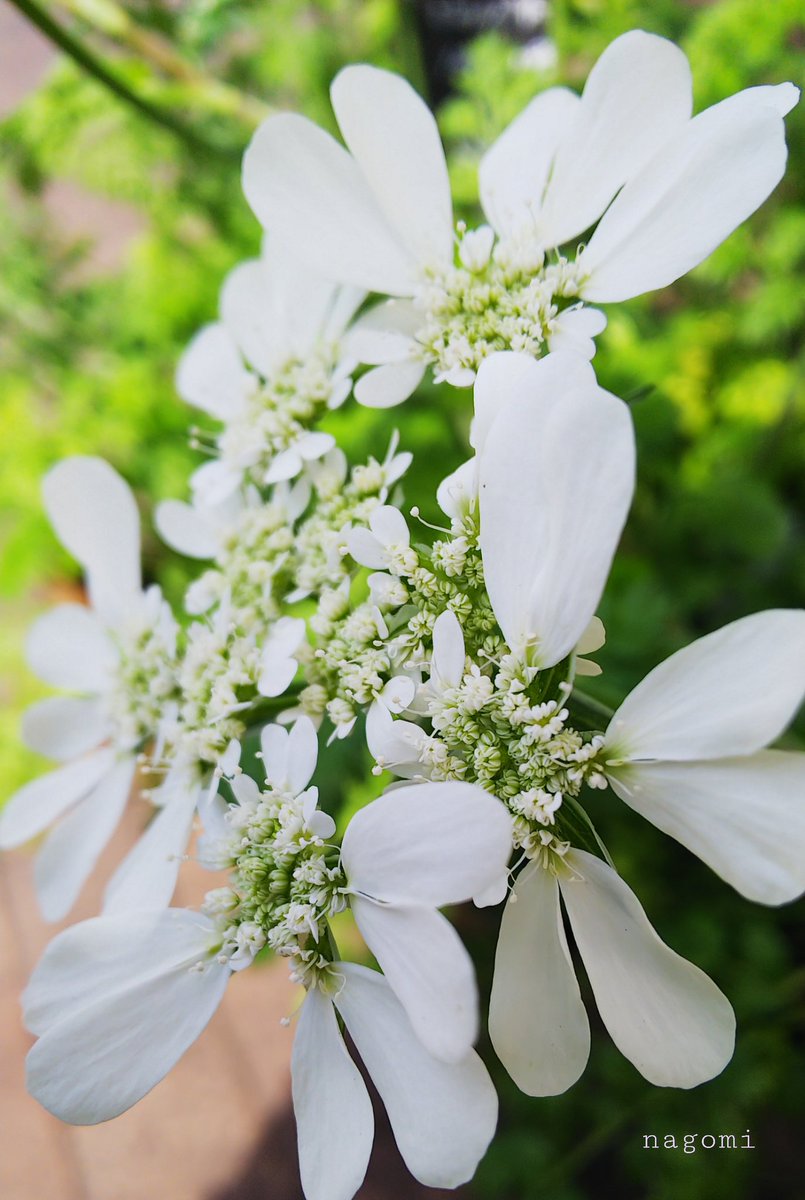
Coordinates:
[661,187]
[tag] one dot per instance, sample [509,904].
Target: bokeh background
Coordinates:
[121,213]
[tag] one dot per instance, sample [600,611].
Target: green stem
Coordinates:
[94,67]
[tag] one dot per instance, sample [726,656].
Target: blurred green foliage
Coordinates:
[87,363]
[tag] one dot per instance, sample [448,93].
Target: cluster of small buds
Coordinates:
[278,413]
[286,880]
[145,678]
[502,295]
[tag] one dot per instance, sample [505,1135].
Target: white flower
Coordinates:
[406,855]
[666,187]
[267,368]
[686,751]
[443,1115]
[664,1014]
[117,655]
[289,760]
[547,541]
[385,544]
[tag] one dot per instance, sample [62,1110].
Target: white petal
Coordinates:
[389,526]
[394,138]
[429,844]
[364,547]
[100,958]
[65,726]
[97,1062]
[501,377]
[72,848]
[303,750]
[459,491]
[211,375]
[274,749]
[574,330]
[385,333]
[699,187]
[430,972]
[537,1021]
[398,693]
[556,480]
[37,804]
[730,692]
[394,744]
[214,482]
[513,172]
[385,386]
[311,194]
[69,648]
[95,517]
[184,528]
[334,1118]
[443,1115]
[448,650]
[665,1015]
[276,675]
[147,876]
[744,817]
[593,638]
[636,97]
[285,465]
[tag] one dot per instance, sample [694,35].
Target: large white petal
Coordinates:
[700,185]
[101,958]
[334,1119]
[385,333]
[394,138]
[744,817]
[663,1013]
[147,876]
[65,726]
[730,692]
[513,172]
[69,648]
[253,313]
[72,848]
[303,751]
[427,844]
[637,95]
[390,384]
[311,194]
[95,517]
[211,375]
[556,480]
[537,1021]
[502,378]
[183,527]
[443,1115]
[431,973]
[37,804]
[95,1063]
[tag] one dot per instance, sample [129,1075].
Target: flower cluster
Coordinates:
[458,648]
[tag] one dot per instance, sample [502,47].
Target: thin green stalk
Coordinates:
[97,69]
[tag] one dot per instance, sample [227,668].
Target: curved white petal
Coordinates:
[184,528]
[502,378]
[513,172]
[730,692]
[65,726]
[556,480]
[334,1119]
[636,97]
[72,848]
[443,1115]
[147,876]
[96,1061]
[389,525]
[303,751]
[69,648]
[458,492]
[388,385]
[574,330]
[744,817]
[385,333]
[95,517]
[448,650]
[700,186]
[364,547]
[537,1021]
[428,844]
[306,188]
[394,744]
[211,374]
[430,972]
[214,482]
[37,804]
[394,138]
[274,749]
[664,1014]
